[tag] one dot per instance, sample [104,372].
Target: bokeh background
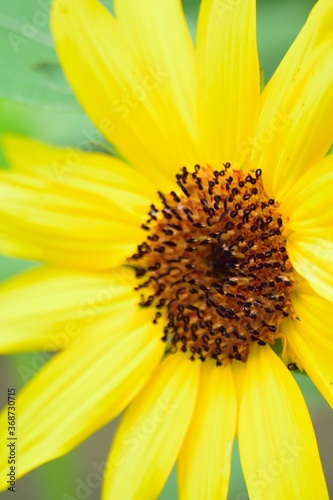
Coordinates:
[35,100]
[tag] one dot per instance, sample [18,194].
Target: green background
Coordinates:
[35,100]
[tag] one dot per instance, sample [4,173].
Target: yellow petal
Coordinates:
[152,430]
[101,174]
[205,457]
[90,219]
[83,387]
[239,371]
[229,85]
[56,305]
[312,309]
[309,201]
[310,348]
[159,36]
[125,96]
[295,124]
[278,448]
[311,254]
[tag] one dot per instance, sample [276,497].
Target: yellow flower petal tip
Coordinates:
[168,275]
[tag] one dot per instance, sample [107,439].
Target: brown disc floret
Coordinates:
[214,265]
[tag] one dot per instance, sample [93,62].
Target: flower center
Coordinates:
[215,265]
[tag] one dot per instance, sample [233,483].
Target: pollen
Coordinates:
[214,265]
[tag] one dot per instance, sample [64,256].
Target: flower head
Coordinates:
[170,277]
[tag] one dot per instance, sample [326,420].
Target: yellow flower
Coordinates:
[236,254]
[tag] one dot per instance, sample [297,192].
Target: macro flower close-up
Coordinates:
[185,271]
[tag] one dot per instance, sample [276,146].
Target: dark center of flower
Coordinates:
[215,265]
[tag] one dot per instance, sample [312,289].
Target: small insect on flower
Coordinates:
[292,366]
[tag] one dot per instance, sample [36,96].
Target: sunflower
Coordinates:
[172,272]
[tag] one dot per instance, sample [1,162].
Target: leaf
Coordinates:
[191,8]
[47,125]
[30,71]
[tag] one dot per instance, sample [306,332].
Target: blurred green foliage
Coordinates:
[36,100]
